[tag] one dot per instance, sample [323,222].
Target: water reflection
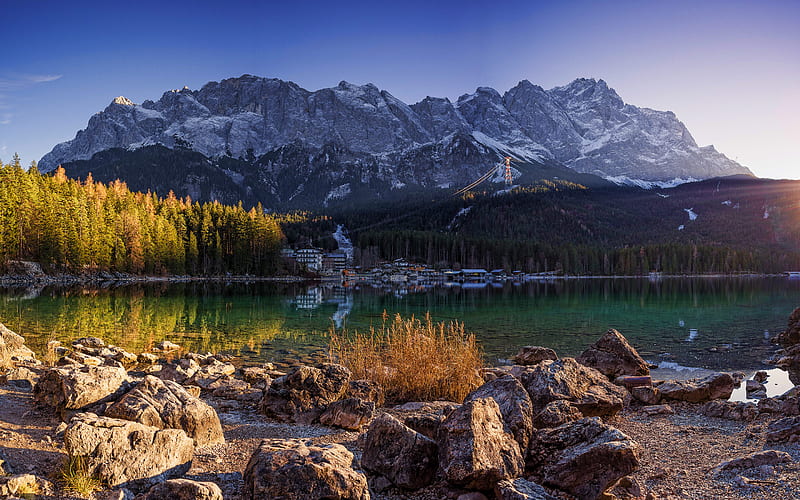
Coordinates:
[267,321]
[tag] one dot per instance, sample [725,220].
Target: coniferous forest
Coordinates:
[77,226]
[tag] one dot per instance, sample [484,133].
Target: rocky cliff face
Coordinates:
[375,137]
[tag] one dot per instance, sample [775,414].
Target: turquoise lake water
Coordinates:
[715,323]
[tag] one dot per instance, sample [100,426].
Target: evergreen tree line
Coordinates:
[449,250]
[76,226]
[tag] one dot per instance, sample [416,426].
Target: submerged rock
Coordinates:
[293,470]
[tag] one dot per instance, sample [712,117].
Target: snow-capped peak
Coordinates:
[124,101]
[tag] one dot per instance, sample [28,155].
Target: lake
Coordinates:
[714,323]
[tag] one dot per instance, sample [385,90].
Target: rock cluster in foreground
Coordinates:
[531,431]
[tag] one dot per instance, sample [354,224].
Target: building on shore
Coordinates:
[311,258]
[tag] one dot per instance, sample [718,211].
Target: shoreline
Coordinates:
[122,278]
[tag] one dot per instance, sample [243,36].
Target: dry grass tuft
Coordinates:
[78,479]
[413,360]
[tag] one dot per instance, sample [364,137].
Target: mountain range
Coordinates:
[268,140]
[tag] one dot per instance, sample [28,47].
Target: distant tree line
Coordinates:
[86,225]
[458,251]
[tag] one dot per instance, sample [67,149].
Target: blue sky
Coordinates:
[729,70]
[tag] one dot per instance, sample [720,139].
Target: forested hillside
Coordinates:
[81,226]
[727,225]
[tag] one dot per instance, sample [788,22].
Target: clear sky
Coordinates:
[730,70]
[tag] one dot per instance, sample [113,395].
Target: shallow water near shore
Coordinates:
[711,323]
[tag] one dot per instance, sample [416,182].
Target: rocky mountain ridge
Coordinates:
[381,142]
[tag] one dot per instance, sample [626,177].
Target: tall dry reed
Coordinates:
[412,359]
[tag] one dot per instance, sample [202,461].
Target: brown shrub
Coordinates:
[413,360]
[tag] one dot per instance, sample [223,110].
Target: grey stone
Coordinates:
[167,405]
[475,451]
[293,470]
[400,454]
[128,454]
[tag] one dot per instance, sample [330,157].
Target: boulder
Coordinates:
[755,389]
[555,413]
[129,454]
[732,410]
[303,394]
[425,417]
[350,413]
[5,467]
[791,335]
[211,372]
[257,376]
[521,489]
[293,470]
[232,388]
[76,386]
[710,387]
[25,486]
[475,451]
[400,454]
[183,489]
[613,356]
[786,405]
[147,358]
[586,388]
[532,355]
[179,371]
[12,348]
[756,459]
[646,395]
[783,428]
[658,410]
[21,377]
[583,458]
[515,405]
[627,488]
[167,405]
[367,390]
[89,342]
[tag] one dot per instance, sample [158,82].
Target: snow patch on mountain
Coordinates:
[691,213]
[338,193]
[624,180]
[461,213]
